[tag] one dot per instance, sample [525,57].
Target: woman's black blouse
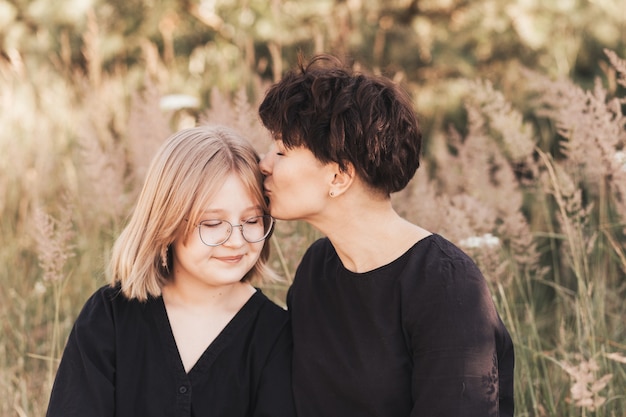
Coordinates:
[121,360]
[418,337]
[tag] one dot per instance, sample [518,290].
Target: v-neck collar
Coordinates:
[205,361]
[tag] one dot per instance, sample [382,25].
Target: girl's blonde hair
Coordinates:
[189,168]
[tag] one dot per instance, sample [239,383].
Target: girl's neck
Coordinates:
[204,297]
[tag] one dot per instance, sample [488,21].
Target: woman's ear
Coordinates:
[342,180]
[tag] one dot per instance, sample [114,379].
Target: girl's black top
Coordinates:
[418,337]
[121,360]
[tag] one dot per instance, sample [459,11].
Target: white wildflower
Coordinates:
[486,240]
[620,157]
[39,288]
[178,101]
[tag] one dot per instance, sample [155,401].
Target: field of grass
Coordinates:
[537,197]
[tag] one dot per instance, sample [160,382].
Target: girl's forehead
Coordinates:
[231,196]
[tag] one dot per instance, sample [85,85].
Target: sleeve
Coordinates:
[84,383]
[452,327]
[275,396]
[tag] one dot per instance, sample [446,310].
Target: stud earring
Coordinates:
[332,193]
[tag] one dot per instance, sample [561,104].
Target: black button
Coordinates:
[182,389]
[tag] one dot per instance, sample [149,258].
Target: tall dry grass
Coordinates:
[537,196]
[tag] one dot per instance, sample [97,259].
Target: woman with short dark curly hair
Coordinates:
[388,319]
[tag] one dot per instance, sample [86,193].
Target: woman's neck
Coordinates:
[369,235]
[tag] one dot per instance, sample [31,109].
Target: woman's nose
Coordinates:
[265,164]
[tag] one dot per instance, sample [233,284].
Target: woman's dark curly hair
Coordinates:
[346,117]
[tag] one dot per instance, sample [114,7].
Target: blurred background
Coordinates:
[522,106]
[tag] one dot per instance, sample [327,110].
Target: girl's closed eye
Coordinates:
[211,223]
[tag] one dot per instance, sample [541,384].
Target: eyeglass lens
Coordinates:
[216,232]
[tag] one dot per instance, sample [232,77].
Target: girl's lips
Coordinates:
[230,259]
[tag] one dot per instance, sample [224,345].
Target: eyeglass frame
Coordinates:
[240,226]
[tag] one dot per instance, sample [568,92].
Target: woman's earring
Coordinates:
[332,193]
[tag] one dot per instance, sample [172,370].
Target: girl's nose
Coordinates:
[236,239]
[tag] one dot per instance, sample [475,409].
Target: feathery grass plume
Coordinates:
[240,115]
[419,201]
[488,165]
[103,177]
[53,238]
[462,199]
[505,124]
[617,357]
[572,217]
[248,122]
[148,127]
[619,65]
[521,247]
[91,49]
[36,125]
[483,168]
[154,67]
[591,124]
[54,242]
[573,220]
[220,110]
[470,225]
[102,95]
[618,183]
[100,156]
[586,385]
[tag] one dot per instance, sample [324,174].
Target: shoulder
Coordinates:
[94,328]
[435,255]
[318,256]
[102,299]
[268,311]
[438,271]
[106,303]
[443,290]
[321,248]
[437,245]
[112,297]
[270,324]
